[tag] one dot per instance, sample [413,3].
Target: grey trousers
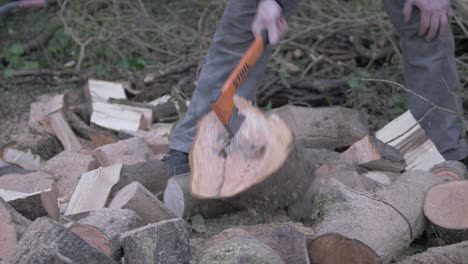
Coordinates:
[429,70]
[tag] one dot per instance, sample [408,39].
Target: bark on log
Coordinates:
[451,170]
[165,242]
[25,159]
[13,169]
[127,152]
[137,198]
[158,144]
[44,145]
[12,226]
[446,208]
[451,254]
[103,228]
[46,241]
[353,228]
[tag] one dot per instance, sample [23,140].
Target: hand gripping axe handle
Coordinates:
[223,102]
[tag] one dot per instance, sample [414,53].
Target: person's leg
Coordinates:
[430,71]
[232,38]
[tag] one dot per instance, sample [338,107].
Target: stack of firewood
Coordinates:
[86,184]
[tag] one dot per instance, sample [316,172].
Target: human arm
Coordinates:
[270,17]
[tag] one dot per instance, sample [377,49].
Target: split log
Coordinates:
[45,106]
[179,200]
[67,167]
[101,91]
[158,144]
[44,145]
[450,170]
[165,242]
[445,207]
[12,226]
[46,241]
[405,134]
[103,228]
[92,191]
[100,137]
[372,154]
[121,117]
[327,127]
[261,166]
[137,198]
[128,152]
[451,254]
[25,159]
[33,195]
[352,226]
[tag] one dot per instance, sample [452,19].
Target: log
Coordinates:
[451,254]
[92,191]
[100,137]
[13,226]
[137,198]
[405,134]
[13,169]
[66,168]
[450,170]
[164,242]
[158,144]
[102,229]
[327,127]
[128,152]
[260,167]
[372,154]
[44,145]
[101,91]
[120,117]
[178,199]
[364,228]
[25,159]
[45,106]
[378,179]
[445,207]
[33,195]
[46,241]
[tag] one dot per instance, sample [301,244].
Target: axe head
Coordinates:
[227,113]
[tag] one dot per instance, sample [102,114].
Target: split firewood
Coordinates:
[179,200]
[158,144]
[103,228]
[129,151]
[93,190]
[405,134]
[261,166]
[33,195]
[451,254]
[12,226]
[445,207]
[451,170]
[43,107]
[46,241]
[164,242]
[288,240]
[25,159]
[327,127]
[372,154]
[44,145]
[101,91]
[399,206]
[66,168]
[100,137]
[121,117]
[12,169]
[137,198]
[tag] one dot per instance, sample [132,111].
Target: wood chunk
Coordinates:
[179,200]
[46,241]
[33,195]
[93,190]
[158,144]
[12,226]
[102,229]
[24,159]
[165,242]
[286,239]
[121,117]
[137,198]
[60,127]
[364,228]
[162,129]
[67,167]
[13,169]
[42,108]
[127,152]
[101,91]
[446,208]
[451,254]
[372,154]
[44,145]
[378,179]
[406,135]
[100,137]
[451,169]
[326,127]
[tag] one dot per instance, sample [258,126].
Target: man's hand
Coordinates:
[270,17]
[435,17]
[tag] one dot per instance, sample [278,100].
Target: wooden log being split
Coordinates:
[130,151]
[33,195]
[24,159]
[165,242]
[352,226]
[451,254]
[102,229]
[261,166]
[179,200]
[451,170]
[446,208]
[12,226]
[46,241]
[137,198]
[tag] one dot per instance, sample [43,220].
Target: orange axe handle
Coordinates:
[223,106]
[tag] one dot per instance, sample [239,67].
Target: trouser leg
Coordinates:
[232,38]
[430,71]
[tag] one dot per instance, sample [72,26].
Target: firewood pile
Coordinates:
[86,184]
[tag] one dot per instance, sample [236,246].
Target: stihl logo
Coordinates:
[241,75]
